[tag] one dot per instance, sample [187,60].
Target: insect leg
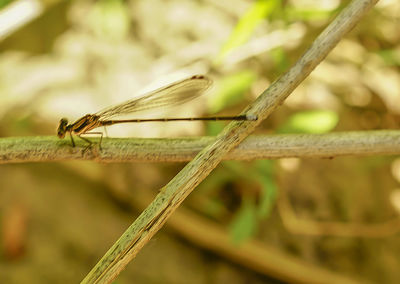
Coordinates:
[90,142]
[105,130]
[72,139]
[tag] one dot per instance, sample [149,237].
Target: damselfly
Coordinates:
[170,95]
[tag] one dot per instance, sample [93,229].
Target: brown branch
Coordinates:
[357,143]
[254,254]
[304,226]
[172,195]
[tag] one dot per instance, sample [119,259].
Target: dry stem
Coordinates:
[358,143]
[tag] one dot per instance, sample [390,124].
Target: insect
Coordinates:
[170,95]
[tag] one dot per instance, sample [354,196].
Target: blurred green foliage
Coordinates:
[312,121]
[231,90]
[390,56]
[244,223]
[215,127]
[255,205]
[260,10]
[296,14]
[4,3]
[264,173]
[281,60]
[110,19]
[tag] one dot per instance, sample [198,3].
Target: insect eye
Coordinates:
[62,128]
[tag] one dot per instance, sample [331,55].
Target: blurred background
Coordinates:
[264,221]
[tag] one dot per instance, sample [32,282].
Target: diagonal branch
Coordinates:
[173,194]
[358,143]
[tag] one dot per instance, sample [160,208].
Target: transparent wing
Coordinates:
[170,95]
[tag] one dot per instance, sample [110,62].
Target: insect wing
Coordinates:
[170,95]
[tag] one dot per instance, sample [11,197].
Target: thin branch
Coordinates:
[304,226]
[356,143]
[255,255]
[172,195]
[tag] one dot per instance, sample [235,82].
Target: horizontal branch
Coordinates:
[48,148]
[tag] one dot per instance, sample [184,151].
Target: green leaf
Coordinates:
[250,20]
[230,91]
[315,121]
[264,170]
[244,223]
[280,58]
[268,197]
[265,167]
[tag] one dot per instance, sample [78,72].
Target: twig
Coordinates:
[172,195]
[254,254]
[304,226]
[357,143]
